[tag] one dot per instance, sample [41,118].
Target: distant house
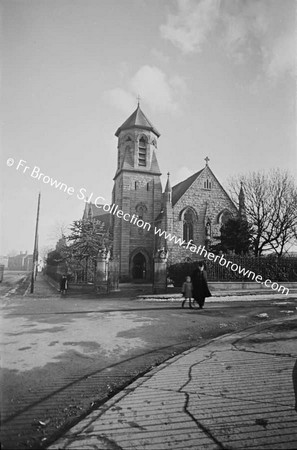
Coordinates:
[23,261]
[4,261]
[28,263]
[17,262]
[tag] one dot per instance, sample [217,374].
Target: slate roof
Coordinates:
[137,120]
[105,218]
[97,213]
[179,189]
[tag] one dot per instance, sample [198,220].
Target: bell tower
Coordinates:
[137,191]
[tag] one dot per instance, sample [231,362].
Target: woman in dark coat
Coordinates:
[200,287]
[63,284]
[294,376]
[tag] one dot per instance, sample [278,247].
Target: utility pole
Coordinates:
[35,251]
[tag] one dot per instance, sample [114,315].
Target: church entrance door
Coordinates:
[139,267]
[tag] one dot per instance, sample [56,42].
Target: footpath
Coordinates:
[44,286]
[236,392]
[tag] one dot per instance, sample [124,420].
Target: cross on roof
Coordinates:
[206,159]
[138,99]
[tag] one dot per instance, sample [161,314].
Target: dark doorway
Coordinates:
[139,267]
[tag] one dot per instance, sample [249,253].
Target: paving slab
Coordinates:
[236,392]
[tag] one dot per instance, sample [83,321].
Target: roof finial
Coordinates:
[168,186]
[138,99]
[206,160]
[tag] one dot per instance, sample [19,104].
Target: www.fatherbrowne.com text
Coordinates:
[114,209]
[201,251]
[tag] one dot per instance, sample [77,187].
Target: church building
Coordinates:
[192,210]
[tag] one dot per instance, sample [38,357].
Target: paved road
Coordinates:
[64,357]
[13,282]
[233,393]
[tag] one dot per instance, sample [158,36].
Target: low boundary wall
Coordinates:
[250,286]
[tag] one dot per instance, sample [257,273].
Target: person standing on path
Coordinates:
[63,285]
[200,286]
[187,291]
[294,376]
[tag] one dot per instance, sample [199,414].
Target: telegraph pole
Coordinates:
[35,251]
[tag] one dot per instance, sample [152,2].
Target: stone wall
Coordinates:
[136,188]
[208,204]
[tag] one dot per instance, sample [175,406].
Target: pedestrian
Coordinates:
[200,286]
[294,377]
[63,284]
[187,291]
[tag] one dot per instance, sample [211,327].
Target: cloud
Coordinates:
[246,32]
[281,58]
[159,56]
[243,27]
[188,29]
[233,24]
[160,92]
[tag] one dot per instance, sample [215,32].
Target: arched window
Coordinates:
[188,225]
[142,152]
[224,216]
[207,184]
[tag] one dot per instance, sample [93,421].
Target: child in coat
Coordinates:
[187,291]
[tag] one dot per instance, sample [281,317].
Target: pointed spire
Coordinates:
[137,120]
[168,190]
[168,185]
[241,202]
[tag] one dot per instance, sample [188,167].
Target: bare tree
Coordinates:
[44,251]
[58,231]
[271,208]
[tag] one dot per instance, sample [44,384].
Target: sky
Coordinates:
[215,77]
